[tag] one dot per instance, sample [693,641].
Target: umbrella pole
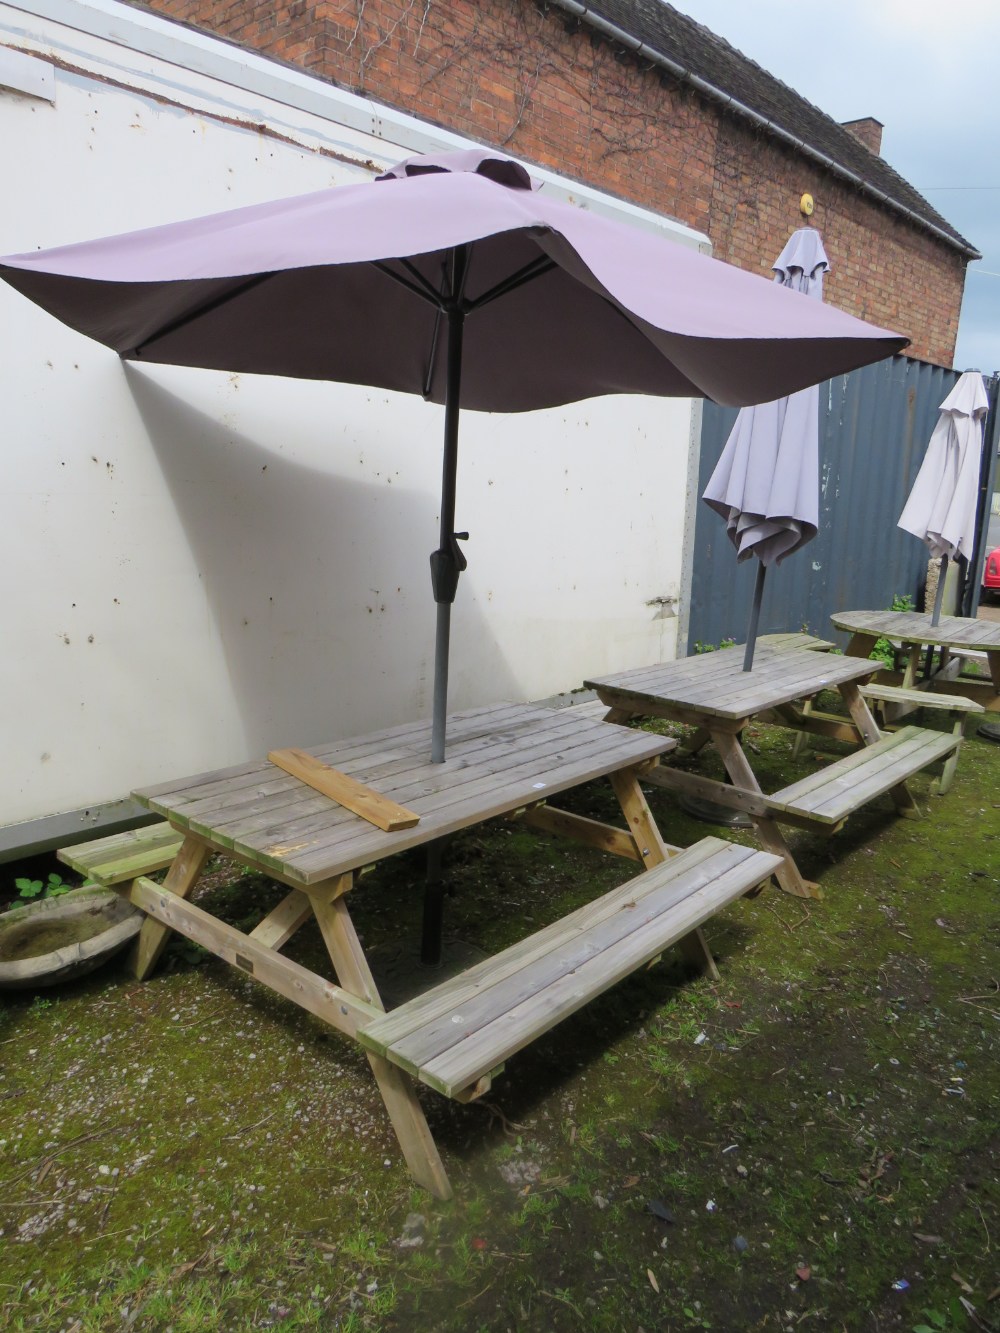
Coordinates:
[447,562]
[758,595]
[939,595]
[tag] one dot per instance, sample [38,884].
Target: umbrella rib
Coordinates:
[206,307]
[536,269]
[429,374]
[419,287]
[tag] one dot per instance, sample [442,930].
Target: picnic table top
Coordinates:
[499,758]
[916,627]
[715,685]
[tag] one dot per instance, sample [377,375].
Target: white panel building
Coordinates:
[196,567]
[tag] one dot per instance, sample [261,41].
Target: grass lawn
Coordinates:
[810,1143]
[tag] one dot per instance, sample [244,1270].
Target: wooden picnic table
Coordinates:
[501,760]
[959,639]
[712,693]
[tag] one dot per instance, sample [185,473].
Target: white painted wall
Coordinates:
[195,567]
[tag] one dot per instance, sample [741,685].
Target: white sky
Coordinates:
[930,71]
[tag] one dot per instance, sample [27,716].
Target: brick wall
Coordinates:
[542,87]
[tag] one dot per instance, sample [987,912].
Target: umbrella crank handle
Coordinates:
[446,565]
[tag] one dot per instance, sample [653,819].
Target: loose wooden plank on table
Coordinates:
[346,791]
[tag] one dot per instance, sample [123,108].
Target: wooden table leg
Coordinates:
[618,715]
[861,644]
[397,1088]
[181,878]
[857,706]
[911,674]
[770,835]
[697,742]
[653,851]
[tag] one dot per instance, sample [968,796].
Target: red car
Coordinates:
[991,573]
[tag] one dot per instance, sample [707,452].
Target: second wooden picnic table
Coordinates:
[713,693]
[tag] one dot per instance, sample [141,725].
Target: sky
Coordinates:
[929,70]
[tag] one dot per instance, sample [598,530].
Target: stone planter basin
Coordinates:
[59,939]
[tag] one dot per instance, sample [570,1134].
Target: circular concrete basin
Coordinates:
[59,939]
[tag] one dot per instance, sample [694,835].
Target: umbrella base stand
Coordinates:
[710,813]
[989,731]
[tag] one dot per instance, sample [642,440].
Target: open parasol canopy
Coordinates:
[451,277]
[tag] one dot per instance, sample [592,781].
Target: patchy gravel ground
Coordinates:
[811,1142]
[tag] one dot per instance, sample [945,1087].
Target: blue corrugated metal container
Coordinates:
[875,424]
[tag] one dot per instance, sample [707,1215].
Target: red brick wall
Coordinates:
[505,73]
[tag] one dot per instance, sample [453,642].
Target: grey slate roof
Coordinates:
[706,56]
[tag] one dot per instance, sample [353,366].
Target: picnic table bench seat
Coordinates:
[791,639]
[832,793]
[456,1036]
[893,703]
[124,856]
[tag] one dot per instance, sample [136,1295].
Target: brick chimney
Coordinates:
[868,130]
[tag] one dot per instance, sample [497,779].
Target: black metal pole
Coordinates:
[447,562]
[758,595]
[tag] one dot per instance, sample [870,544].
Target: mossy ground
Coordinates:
[193,1153]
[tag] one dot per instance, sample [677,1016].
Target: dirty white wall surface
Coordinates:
[196,567]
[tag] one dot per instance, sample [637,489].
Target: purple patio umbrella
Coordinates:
[766,483]
[450,277]
[941,508]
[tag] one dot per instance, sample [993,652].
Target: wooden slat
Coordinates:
[123,856]
[508,1033]
[844,786]
[353,795]
[787,639]
[505,1003]
[922,698]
